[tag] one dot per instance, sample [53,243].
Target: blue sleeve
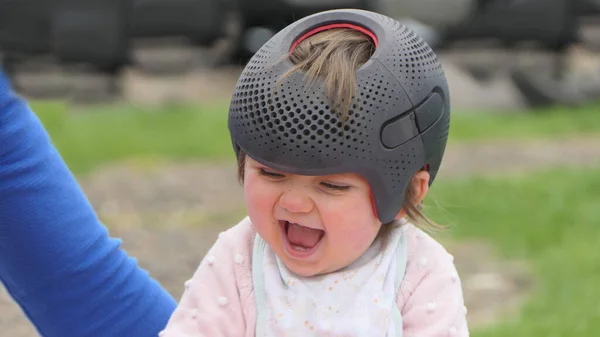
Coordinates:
[56,259]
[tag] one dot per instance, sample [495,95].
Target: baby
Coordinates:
[339,124]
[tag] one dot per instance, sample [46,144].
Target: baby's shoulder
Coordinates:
[426,258]
[238,238]
[430,296]
[421,244]
[231,255]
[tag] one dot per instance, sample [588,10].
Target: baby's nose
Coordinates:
[296,202]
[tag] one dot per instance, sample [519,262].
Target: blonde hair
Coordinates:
[335,55]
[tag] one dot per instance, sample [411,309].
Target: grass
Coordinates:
[95,136]
[551,122]
[550,219]
[92,136]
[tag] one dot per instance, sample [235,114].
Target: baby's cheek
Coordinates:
[357,227]
[258,201]
[352,239]
[359,212]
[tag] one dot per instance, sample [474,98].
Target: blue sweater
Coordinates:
[56,259]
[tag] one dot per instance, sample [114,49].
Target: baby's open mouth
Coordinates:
[300,238]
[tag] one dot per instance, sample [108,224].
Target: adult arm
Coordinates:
[56,259]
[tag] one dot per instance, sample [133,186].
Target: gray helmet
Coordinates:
[398,123]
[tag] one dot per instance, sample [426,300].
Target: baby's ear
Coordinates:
[420,186]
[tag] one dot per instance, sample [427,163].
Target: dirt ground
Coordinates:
[168,215]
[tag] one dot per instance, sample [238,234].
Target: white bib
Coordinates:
[359,300]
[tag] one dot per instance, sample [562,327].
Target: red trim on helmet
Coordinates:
[373,205]
[333,26]
[425,167]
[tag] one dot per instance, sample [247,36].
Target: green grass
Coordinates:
[551,220]
[551,122]
[92,136]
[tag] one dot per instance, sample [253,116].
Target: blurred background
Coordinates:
[134,94]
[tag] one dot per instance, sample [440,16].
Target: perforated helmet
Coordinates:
[398,123]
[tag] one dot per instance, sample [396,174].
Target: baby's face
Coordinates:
[315,225]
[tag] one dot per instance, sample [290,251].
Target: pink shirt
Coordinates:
[219,299]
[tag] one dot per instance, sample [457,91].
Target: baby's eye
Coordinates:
[335,187]
[266,173]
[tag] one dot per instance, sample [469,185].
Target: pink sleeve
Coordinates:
[211,304]
[431,296]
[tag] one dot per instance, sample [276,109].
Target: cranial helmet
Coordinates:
[398,122]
